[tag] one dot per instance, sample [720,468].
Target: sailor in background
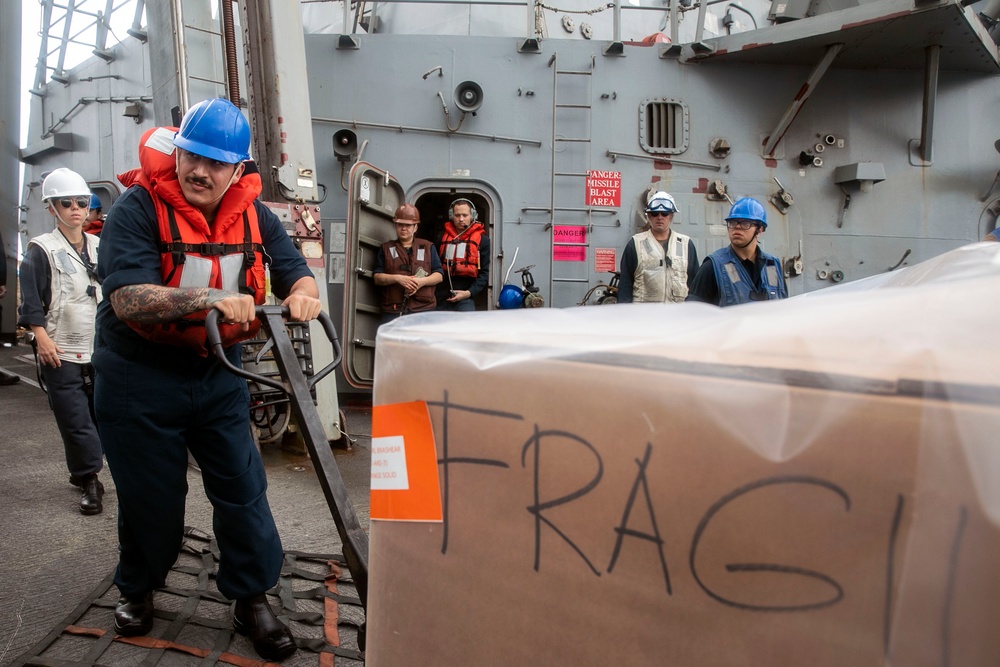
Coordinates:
[741,272]
[658,264]
[406,268]
[59,296]
[464,248]
[95,219]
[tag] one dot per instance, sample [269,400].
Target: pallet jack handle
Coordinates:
[297,387]
[262,312]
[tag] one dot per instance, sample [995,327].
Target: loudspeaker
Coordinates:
[462,200]
[345,144]
[468,96]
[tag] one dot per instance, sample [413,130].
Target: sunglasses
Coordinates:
[81,202]
[661,214]
[740,224]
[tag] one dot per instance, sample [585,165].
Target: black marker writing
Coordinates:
[446,461]
[767,567]
[622,528]
[536,509]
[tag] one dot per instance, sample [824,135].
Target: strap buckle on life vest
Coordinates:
[211,248]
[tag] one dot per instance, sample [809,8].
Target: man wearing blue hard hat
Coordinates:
[95,219]
[659,263]
[741,272]
[187,236]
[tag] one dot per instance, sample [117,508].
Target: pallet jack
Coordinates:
[297,387]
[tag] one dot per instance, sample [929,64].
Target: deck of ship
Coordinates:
[55,564]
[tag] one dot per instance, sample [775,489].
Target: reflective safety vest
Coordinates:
[227,255]
[660,277]
[76,292]
[400,262]
[460,252]
[735,285]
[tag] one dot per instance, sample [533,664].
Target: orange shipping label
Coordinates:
[404,474]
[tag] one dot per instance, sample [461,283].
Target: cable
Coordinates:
[736,6]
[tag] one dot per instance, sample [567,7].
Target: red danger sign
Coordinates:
[604,188]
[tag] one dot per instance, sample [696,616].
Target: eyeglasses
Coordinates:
[740,224]
[660,214]
[81,202]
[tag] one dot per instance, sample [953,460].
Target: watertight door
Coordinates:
[374,196]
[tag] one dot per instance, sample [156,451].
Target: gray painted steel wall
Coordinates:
[89,109]
[10,115]
[876,113]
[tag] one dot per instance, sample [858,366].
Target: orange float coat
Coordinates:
[226,255]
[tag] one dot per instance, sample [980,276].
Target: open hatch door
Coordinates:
[373,198]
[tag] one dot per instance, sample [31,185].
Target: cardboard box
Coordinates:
[808,482]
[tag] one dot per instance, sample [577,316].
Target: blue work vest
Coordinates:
[735,284]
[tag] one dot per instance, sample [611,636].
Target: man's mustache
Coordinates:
[203,182]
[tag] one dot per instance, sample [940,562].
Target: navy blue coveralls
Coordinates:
[154,402]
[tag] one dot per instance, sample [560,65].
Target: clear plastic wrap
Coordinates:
[811,481]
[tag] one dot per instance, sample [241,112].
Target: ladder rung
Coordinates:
[568,173]
[201,78]
[573,139]
[570,280]
[573,106]
[567,71]
[191,26]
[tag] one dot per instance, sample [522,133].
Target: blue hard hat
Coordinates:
[748,208]
[215,129]
[511,297]
[95,201]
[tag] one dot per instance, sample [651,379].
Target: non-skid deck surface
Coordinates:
[193,621]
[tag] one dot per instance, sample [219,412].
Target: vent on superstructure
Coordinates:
[663,126]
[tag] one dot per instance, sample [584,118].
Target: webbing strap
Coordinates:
[199,624]
[178,250]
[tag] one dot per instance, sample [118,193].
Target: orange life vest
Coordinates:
[460,252]
[226,255]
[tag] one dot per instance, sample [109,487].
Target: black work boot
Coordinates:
[271,638]
[134,616]
[93,493]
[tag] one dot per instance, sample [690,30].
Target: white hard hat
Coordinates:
[64,182]
[661,201]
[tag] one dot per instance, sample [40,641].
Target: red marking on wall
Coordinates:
[662,164]
[802,92]
[756,45]
[702,186]
[875,20]
[770,162]
[284,158]
[656,179]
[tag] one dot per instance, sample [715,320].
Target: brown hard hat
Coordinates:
[407,213]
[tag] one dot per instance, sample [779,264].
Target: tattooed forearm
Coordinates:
[149,304]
